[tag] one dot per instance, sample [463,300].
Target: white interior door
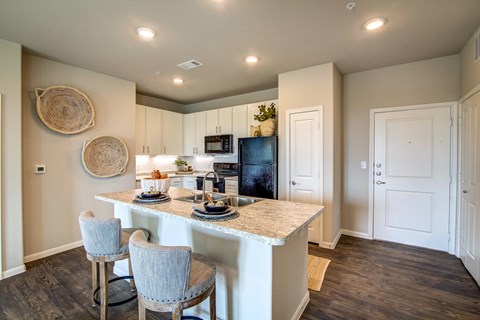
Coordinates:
[304,147]
[412,177]
[469,247]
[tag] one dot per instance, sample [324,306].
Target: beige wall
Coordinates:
[309,87]
[252,97]
[469,71]
[428,81]
[54,200]
[11,126]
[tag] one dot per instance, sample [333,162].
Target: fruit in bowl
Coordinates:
[215,206]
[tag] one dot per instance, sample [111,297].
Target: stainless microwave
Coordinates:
[220,144]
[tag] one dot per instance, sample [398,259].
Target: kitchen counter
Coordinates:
[143,175]
[270,221]
[261,256]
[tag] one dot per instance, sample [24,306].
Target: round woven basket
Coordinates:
[105,156]
[64,109]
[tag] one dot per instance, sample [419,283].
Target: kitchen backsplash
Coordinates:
[146,163]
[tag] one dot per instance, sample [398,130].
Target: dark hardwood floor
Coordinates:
[365,280]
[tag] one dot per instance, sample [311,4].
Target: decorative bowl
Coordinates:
[218,206]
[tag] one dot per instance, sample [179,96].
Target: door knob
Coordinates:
[464,191]
[380,182]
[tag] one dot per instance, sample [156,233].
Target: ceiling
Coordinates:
[286,34]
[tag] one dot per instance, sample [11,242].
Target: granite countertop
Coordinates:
[269,221]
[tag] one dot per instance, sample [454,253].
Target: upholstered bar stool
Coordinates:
[170,278]
[105,241]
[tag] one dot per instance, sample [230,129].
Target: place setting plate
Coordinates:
[212,213]
[150,198]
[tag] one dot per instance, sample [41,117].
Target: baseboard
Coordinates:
[301,307]
[331,245]
[52,251]
[13,272]
[356,234]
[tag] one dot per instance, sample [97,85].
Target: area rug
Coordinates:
[316,271]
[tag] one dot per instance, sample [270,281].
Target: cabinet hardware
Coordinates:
[380,182]
[143,149]
[148,149]
[295,183]
[464,191]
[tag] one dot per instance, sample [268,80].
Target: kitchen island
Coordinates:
[261,256]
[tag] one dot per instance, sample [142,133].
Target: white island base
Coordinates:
[255,280]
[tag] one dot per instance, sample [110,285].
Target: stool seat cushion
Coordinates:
[202,275]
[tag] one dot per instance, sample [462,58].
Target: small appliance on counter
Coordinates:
[221,144]
[223,170]
[257,167]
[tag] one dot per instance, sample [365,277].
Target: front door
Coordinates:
[412,177]
[305,162]
[469,180]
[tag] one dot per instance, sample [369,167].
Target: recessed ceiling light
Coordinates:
[251,59]
[145,32]
[178,81]
[374,23]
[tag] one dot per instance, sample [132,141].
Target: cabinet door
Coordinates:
[225,120]
[190,183]
[200,123]
[140,129]
[154,130]
[239,125]
[172,133]
[189,134]
[211,128]
[252,109]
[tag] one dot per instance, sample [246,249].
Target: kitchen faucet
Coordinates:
[205,177]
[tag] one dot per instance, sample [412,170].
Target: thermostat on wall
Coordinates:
[40,168]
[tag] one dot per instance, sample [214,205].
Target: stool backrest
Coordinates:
[100,237]
[162,273]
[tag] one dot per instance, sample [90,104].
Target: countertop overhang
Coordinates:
[273,222]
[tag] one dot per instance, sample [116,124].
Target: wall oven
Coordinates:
[220,144]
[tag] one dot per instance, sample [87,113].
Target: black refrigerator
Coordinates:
[257,167]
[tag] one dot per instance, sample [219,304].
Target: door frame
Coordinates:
[320,156]
[453,105]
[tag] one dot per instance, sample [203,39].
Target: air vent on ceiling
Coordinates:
[187,65]
[476,48]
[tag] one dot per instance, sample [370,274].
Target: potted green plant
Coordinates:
[267,118]
[181,164]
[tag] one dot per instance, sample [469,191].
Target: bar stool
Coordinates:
[105,241]
[170,278]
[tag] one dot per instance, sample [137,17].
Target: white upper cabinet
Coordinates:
[158,131]
[219,121]
[148,132]
[172,133]
[239,125]
[194,133]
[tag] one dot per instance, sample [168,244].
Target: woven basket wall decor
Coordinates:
[64,109]
[105,156]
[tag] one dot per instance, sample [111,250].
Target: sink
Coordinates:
[240,201]
[234,201]
[197,198]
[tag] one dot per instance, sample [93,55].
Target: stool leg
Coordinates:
[103,290]
[141,311]
[94,280]
[177,312]
[213,305]
[132,281]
